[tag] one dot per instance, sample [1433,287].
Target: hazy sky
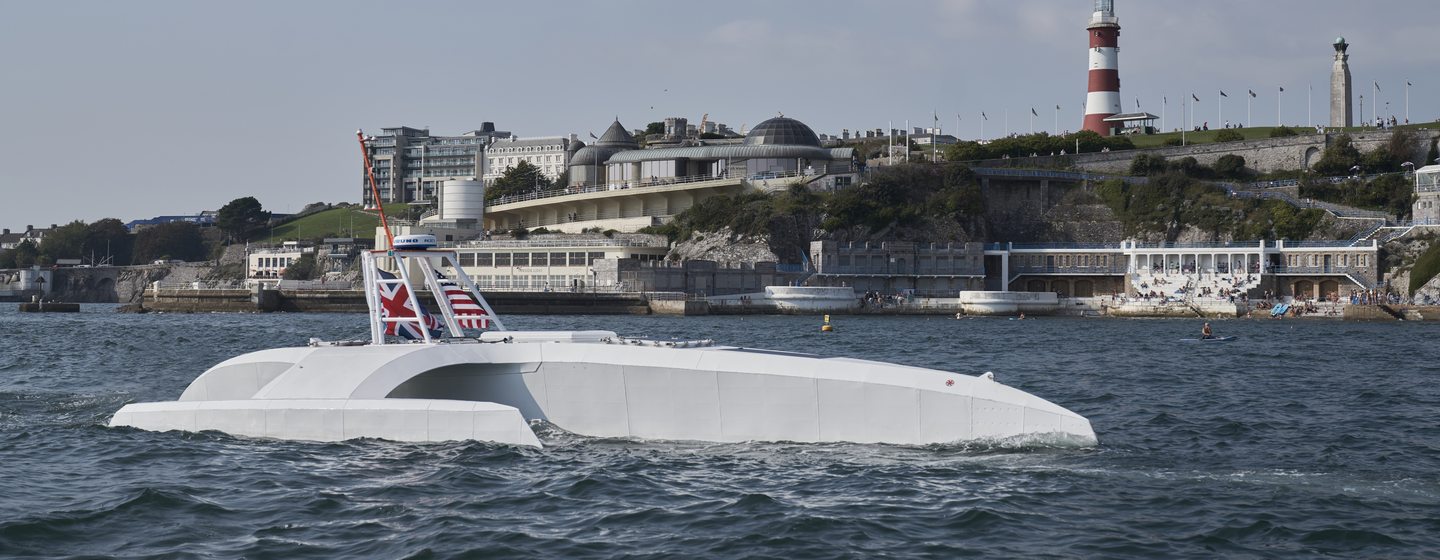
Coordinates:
[133,109]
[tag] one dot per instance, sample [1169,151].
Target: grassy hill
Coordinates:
[335,222]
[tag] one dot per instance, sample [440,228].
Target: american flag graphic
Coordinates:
[468,312]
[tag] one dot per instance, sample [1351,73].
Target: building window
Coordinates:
[521,259]
[484,259]
[538,259]
[557,259]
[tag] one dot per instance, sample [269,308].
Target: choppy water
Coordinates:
[1301,439]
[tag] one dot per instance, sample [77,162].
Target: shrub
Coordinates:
[1231,166]
[1282,132]
[1229,135]
[1174,142]
[1147,164]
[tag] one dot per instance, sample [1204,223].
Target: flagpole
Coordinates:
[1220,107]
[1309,105]
[1407,101]
[1375,99]
[1007,121]
[1248,120]
[1057,120]
[982,125]
[1164,109]
[1277,105]
[1183,128]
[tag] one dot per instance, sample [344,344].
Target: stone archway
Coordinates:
[1329,287]
[1312,155]
[1084,288]
[1302,289]
[1036,286]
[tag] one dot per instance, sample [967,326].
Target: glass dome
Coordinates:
[782,131]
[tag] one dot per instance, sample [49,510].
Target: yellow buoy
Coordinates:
[826,327]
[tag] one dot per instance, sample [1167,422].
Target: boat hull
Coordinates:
[592,384]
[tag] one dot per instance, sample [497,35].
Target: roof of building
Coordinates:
[616,135]
[589,155]
[1123,117]
[782,131]
[515,143]
[733,152]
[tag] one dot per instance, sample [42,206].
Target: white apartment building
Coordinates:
[550,154]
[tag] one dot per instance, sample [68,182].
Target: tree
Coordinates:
[108,237]
[1231,166]
[303,268]
[64,242]
[655,128]
[1338,158]
[26,253]
[241,216]
[7,258]
[520,179]
[175,240]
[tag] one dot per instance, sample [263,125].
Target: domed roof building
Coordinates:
[586,164]
[782,131]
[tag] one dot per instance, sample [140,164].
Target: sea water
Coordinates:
[1300,439]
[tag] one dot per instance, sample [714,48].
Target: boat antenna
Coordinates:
[375,191]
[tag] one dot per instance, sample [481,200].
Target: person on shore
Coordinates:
[1205,333]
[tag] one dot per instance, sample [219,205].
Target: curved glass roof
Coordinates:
[782,131]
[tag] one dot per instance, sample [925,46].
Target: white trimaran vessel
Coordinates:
[452,385]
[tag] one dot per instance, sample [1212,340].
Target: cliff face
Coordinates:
[1042,211]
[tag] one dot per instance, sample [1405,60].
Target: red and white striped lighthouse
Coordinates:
[1103,97]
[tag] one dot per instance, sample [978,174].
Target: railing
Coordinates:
[1062,245]
[1323,244]
[912,271]
[547,221]
[634,184]
[1321,269]
[554,243]
[1240,245]
[1105,269]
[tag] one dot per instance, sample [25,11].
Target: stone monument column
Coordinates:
[1340,114]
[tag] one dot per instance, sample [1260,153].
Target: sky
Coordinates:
[144,108]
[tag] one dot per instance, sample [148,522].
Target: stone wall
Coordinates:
[1263,155]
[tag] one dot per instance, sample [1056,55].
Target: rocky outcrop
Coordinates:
[723,249]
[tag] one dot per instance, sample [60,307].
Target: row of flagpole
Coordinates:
[1219,105]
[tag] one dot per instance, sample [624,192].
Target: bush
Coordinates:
[1282,132]
[303,268]
[1147,164]
[1426,267]
[1339,157]
[1229,135]
[1174,142]
[1231,166]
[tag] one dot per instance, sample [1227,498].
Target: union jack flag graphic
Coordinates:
[395,302]
[468,312]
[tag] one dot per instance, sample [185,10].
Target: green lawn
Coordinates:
[336,222]
[1255,133]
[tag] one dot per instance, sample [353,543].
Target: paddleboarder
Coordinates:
[1205,333]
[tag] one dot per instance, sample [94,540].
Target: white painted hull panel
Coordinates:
[406,392]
